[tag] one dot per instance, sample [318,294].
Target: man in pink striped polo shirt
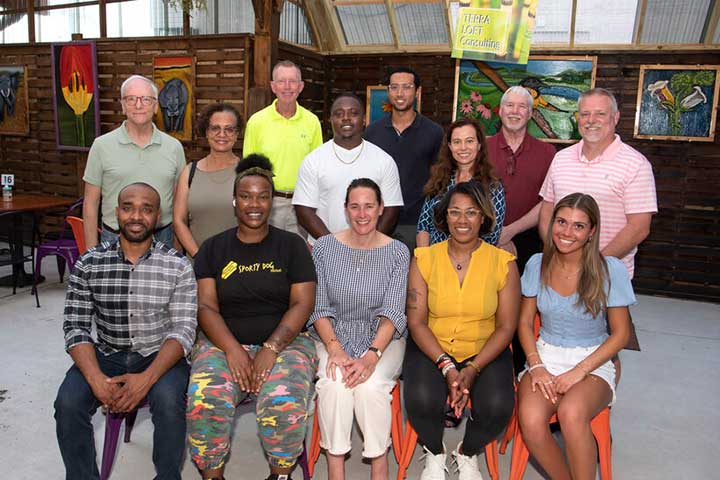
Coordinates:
[619,178]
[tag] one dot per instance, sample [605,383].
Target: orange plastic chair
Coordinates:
[410,442]
[77,225]
[395,431]
[600,426]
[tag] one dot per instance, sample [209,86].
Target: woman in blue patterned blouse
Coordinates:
[578,293]
[463,157]
[359,325]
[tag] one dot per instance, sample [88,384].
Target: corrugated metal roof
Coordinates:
[421,23]
[365,24]
[294,25]
[670,21]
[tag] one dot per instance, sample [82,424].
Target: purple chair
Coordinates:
[63,247]
[114,421]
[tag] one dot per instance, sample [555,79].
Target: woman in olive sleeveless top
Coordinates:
[203,199]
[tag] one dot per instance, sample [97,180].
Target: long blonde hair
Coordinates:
[594,271]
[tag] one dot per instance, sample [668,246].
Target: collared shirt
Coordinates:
[521,172]
[414,151]
[135,308]
[620,180]
[285,141]
[115,161]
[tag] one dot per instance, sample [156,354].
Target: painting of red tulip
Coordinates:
[677,102]
[14,113]
[75,94]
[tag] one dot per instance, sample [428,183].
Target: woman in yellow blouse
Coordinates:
[462,308]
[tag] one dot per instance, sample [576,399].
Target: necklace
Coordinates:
[359,258]
[460,264]
[563,271]
[362,146]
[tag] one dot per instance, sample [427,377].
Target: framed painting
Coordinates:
[75,94]
[174,76]
[14,113]
[555,83]
[377,103]
[677,102]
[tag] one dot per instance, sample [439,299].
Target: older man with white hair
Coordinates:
[521,162]
[136,151]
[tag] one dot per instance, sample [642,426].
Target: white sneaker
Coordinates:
[466,467]
[435,467]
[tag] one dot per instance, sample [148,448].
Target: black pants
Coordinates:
[527,243]
[425,391]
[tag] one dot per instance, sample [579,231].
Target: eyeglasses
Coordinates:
[216,129]
[292,83]
[456,213]
[133,99]
[394,87]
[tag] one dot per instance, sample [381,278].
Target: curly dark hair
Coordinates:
[445,167]
[480,196]
[203,121]
[254,164]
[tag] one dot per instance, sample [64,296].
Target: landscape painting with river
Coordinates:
[555,83]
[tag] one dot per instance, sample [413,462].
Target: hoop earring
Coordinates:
[233,202]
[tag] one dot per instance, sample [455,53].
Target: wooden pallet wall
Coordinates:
[681,257]
[222,72]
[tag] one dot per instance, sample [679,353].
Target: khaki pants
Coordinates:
[283,216]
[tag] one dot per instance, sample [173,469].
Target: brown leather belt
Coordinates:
[280,194]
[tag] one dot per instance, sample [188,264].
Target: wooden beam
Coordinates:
[265,52]
[326,37]
[712,23]
[640,22]
[341,44]
[393,22]
[573,19]
[102,11]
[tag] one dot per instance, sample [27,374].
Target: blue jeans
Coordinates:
[164,235]
[76,404]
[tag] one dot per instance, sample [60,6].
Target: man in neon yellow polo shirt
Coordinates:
[285,132]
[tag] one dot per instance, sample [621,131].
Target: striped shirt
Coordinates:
[135,307]
[620,180]
[357,287]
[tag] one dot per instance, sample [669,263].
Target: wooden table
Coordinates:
[28,204]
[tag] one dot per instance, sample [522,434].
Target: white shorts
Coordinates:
[559,360]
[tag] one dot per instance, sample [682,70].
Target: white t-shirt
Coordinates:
[323,180]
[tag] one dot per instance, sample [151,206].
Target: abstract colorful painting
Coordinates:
[174,77]
[75,94]
[677,102]
[555,83]
[377,103]
[14,114]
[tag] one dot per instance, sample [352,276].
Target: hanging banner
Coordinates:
[494,30]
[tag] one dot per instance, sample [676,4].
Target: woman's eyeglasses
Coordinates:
[216,129]
[456,213]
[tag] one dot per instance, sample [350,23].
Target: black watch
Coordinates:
[376,351]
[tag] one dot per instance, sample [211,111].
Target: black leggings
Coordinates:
[425,391]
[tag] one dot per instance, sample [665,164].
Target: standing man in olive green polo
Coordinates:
[137,151]
[285,132]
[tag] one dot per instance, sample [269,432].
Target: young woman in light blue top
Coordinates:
[578,294]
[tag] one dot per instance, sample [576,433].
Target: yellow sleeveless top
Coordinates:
[462,318]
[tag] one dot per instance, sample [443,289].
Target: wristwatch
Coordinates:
[376,351]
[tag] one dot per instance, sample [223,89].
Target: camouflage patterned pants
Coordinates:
[282,405]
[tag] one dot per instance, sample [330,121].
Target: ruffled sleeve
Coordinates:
[323,308]
[621,292]
[530,280]
[503,259]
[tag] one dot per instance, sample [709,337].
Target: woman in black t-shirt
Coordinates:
[256,290]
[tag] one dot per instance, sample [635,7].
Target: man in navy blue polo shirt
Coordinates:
[412,140]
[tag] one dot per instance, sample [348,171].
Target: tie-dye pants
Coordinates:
[282,406]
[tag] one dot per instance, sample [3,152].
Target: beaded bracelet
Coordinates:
[271,347]
[442,358]
[531,354]
[447,368]
[473,366]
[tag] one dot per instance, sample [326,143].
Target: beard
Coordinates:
[135,237]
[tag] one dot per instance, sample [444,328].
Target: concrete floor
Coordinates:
[665,425]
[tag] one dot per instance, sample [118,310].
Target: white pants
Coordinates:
[368,402]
